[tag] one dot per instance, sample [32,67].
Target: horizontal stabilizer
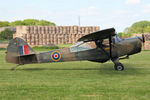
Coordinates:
[98,35]
[28,59]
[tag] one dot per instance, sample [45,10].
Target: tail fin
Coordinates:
[19,52]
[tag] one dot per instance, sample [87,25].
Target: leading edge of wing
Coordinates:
[98,35]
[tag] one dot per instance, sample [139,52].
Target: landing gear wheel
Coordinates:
[119,67]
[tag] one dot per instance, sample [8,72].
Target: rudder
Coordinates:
[16,49]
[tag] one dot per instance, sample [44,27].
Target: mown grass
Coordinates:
[4,41]
[76,80]
[45,48]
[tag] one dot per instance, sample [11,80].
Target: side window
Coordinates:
[105,42]
[83,47]
[116,39]
[102,43]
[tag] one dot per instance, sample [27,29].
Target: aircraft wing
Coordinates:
[98,35]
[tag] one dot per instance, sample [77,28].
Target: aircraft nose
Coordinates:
[136,42]
[139,42]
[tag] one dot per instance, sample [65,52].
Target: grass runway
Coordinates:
[76,80]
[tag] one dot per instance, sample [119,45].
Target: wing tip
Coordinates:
[111,30]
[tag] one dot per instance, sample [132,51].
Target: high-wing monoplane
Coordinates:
[100,46]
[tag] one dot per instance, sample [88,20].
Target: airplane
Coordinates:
[100,46]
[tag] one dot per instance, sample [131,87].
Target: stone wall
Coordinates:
[45,35]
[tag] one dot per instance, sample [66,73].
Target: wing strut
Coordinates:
[110,44]
[99,44]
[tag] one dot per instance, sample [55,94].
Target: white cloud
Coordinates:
[146,8]
[133,2]
[121,12]
[90,11]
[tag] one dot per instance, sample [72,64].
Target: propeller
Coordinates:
[143,38]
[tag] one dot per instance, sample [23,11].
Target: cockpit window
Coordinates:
[116,39]
[81,46]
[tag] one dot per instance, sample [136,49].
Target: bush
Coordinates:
[7,34]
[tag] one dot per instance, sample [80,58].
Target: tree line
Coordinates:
[136,28]
[26,22]
[7,34]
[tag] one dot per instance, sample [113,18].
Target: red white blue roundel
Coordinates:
[55,56]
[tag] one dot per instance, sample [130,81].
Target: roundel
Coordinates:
[55,56]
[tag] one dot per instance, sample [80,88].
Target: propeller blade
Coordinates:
[143,38]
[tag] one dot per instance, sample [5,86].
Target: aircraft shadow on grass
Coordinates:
[104,69]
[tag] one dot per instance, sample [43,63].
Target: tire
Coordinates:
[119,67]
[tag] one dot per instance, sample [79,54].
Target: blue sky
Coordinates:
[104,13]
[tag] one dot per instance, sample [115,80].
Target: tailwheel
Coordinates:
[118,66]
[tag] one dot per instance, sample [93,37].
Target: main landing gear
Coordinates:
[117,65]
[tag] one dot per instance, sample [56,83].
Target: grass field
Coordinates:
[4,41]
[76,80]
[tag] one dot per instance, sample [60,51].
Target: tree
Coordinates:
[138,27]
[4,23]
[147,29]
[45,23]
[127,30]
[7,34]
[30,21]
[17,23]
[141,24]
[121,34]
[27,22]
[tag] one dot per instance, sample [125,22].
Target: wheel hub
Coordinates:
[119,67]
